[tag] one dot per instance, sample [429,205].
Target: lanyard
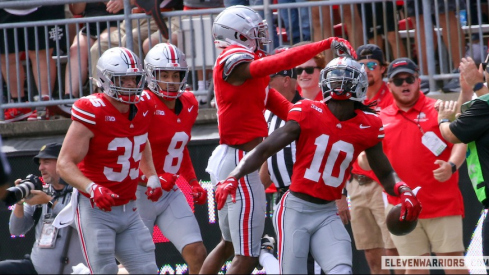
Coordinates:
[417,123]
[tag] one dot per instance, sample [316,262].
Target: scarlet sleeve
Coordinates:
[187,168]
[288,59]
[278,104]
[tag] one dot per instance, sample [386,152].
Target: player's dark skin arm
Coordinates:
[271,145]
[382,168]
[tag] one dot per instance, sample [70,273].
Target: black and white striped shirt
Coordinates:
[280,164]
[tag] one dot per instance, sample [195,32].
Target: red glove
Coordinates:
[410,206]
[101,196]
[199,193]
[167,181]
[343,47]
[153,190]
[225,188]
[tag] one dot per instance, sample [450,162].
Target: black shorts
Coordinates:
[452,6]
[379,18]
[51,34]
[92,28]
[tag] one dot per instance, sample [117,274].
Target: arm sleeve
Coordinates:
[20,226]
[278,104]
[287,59]
[187,168]
[472,123]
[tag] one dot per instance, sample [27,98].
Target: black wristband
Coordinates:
[478,86]
[443,120]
[454,167]
[344,192]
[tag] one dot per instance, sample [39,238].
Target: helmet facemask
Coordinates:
[344,81]
[167,89]
[116,86]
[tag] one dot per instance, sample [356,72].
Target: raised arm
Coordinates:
[285,60]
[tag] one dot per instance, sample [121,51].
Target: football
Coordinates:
[397,227]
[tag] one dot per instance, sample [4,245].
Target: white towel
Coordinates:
[67,215]
[214,163]
[80,269]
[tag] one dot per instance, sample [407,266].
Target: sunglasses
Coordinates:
[309,70]
[371,65]
[399,81]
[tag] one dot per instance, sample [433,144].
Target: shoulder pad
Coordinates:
[233,60]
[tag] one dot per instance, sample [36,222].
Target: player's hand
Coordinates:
[101,196]
[167,181]
[153,188]
[342,47]
[343,210]
[225,188]
[410,206]
[199,193]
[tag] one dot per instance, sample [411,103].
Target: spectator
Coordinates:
[139,33]
[104,148]
[77,70]
[296,22]
[308,74]
[454,42]
[413,139]
[367,204]
[305,216]
[471,128]
[167,71]
[243,66]
[55,252]
[323,23]
[39,50]
[376,30]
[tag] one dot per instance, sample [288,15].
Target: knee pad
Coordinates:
[341,269]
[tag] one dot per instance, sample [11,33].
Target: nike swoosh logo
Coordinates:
[63,223]
[145,113]
[190,109]
[364,126]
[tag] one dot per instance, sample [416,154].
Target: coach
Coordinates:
[472,128]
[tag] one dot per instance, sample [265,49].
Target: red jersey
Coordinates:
[116,148]
[383,99]
[414,163]
[327,147]
[170,133]
[240,109]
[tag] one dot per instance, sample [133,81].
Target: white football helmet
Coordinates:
[112,67]
[240,25]
[165,57]
[343,79]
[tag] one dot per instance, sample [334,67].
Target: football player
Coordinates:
[241,77]
[106,145]
[169,134]
[329,135]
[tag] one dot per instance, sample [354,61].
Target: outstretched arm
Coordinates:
[271,145]
[286,60]
[382,167]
